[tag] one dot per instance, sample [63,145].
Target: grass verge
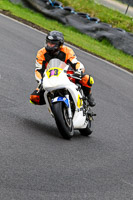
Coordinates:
[110,16]
[71,35]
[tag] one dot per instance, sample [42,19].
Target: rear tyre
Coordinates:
[88,130]
[64,124]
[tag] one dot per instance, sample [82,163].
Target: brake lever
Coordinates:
[73,76]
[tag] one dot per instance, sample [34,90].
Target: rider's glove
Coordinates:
[78,72]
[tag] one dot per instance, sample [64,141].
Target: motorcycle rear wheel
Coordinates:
[88,130]
[64,124]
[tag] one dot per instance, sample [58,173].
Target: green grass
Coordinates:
[115,18]
[102,49]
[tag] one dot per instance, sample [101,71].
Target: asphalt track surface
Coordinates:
[35,162]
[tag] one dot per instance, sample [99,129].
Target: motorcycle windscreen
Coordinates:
[56,63]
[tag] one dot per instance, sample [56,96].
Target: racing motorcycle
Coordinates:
[65,100]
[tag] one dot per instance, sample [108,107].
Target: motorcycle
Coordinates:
[66,101]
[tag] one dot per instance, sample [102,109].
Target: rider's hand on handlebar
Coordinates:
[78,72]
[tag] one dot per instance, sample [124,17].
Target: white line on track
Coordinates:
[113,65]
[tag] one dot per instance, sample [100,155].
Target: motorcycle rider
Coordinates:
[55,49]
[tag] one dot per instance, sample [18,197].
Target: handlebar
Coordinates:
[76,76]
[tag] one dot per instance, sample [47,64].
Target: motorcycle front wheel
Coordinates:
[63,122]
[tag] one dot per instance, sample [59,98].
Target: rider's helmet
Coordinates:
[54,40]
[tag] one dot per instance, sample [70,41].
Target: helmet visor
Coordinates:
[51,44]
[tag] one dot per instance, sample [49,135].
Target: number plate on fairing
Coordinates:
[54,72]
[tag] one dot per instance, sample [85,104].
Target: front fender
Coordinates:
[63,99]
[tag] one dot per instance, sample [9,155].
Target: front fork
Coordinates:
[69,108]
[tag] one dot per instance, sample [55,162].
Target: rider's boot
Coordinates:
[37,97]
[91,100]
[88,94]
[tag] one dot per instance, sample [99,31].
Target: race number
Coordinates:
[53,72]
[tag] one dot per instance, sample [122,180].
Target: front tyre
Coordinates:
[64,124]
[88,130]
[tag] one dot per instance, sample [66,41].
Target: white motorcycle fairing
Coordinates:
[55,78]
